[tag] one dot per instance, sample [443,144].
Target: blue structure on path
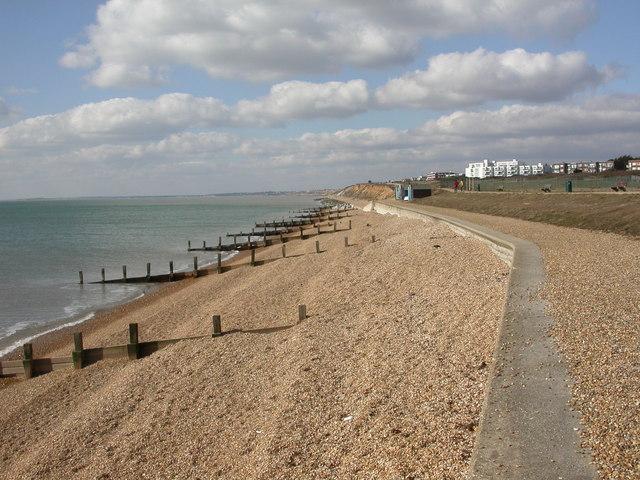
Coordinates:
[409,191]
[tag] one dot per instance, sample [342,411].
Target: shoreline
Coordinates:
[383,378]
[58,337]
[61,337]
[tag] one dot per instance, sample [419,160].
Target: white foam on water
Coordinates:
[24,340]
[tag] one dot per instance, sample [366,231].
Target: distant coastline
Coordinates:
[270,193]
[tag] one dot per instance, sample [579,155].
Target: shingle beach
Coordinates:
[384,379]
[593,294]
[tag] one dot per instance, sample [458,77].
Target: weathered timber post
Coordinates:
[253,257]
[373,239]
[235,244]
[249,240]
[300,233]
[204,244]
[81,277]
[349,224]
[302,313]
[195,266]
[148,272]
[219,242]
[265,239]
[124,273]
[189,245]
[133,348]
[284,251]
[102,275]
[346,241]
[317,246]
[171,271]
[27,360]
[219,263]
[318,229]
[77,351]
[335,226]
[217,326]
[281,238]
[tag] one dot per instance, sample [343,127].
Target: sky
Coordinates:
[192,97]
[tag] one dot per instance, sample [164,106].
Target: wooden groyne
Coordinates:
[301,232]
[82,357]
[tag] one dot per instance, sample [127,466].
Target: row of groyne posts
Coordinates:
[306,223]
[82,357]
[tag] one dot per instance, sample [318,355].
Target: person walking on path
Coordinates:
[455,186]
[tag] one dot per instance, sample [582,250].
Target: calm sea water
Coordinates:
[44,244]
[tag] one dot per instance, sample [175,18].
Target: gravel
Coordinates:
[384,379]
[593,291]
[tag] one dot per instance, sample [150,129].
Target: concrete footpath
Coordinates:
[527,430]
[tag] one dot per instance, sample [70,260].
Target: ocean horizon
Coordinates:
[44,243]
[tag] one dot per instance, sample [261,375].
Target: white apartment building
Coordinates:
[505,168]
[482,169]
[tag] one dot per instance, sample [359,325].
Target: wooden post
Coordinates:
[204,244]
[265,239]
[281,239]
[253,257]
[81,277]
[335,226]
[302,313]
[346,241]
[217,327]
[349,224]
[300,233]
[133,349]
[148,272]
[77,350]
[249,240]
[317,246]
[373,239]
[219,242]
[102,275]
[27,360]
[284,251]
[235,244]
[124,273]
[171,271]
[219,263]
[195,266]
[189,245]
[318,229]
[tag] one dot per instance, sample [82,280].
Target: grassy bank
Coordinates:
[617,213]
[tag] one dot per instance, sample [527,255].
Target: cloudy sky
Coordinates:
[151,97]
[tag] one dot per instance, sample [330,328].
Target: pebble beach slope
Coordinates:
[384,379]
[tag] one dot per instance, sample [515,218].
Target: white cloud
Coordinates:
[466,79]
[119,119]
[453,80]
[601,116]
[264,40]
[131,119]
[19,91]
[600,128]
[305,100]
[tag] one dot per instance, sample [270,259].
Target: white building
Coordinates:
[482,169]
[506,168]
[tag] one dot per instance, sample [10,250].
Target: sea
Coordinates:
[44,244]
